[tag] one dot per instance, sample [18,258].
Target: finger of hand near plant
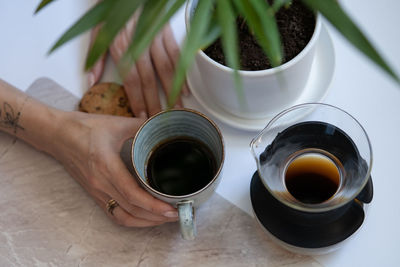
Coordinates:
[140,79]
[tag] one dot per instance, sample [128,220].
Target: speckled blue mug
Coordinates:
[167,125]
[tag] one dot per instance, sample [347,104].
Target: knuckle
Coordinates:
[127,221]
[154,208]
[94,182]
[98,170]
[148,79]
[175,51]
[165,68]
[153,48]
[131,198]
[122,221]
[94,159]
[130,222]
[119,221]
[103,168]
[131,78]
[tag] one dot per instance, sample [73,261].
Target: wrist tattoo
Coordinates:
[8,118]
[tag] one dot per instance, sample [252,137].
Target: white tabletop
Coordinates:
[358,87]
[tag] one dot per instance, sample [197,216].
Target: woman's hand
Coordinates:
[140,81]
[89,148]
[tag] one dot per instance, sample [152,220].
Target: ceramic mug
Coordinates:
[167,125]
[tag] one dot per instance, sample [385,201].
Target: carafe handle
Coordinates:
[367,192]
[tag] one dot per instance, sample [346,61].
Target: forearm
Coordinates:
[27,118]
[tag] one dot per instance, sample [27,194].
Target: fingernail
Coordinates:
[171,214]
[91,79]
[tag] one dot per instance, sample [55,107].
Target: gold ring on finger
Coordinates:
[111,205]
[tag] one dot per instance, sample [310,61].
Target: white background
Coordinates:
[358,87]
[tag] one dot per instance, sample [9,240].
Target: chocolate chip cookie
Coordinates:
[106,98]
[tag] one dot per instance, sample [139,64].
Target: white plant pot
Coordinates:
[266,92]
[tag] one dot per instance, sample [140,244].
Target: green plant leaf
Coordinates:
[279,3]
[332,11]
[118,16]
[193,42]
[227,21]
[152,10]
[271,31]
[43,4]
[154,16]
[211,35]
[264,26]
[90,19]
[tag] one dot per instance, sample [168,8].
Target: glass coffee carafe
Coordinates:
[313,177]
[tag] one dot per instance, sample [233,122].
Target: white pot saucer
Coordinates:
[315,90]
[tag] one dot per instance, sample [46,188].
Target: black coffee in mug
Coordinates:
[180,166]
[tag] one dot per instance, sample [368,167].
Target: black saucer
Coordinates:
[298,228]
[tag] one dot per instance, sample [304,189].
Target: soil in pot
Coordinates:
[296,26]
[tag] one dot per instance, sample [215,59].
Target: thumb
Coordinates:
[128,127]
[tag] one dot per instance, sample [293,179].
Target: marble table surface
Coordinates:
[47,219]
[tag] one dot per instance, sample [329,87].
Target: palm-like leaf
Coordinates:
[227,20]
[93,17]
[42,5]
[261,20]
[279,3]
[211,19]
[194,41]
[331,10]
[154,15]
[116,19]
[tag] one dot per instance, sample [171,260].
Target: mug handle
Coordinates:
[187,219]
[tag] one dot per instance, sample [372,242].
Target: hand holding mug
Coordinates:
[89,148]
